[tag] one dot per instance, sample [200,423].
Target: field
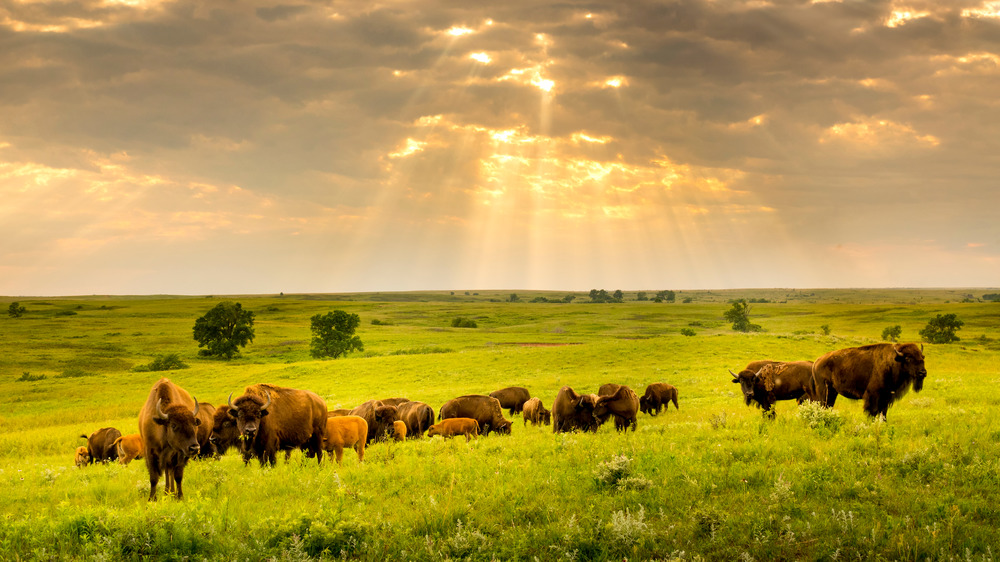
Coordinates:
[711,480]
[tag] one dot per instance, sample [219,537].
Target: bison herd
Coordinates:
[267,419]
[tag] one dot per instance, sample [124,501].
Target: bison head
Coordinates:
[585,406]
[911,362]
[82,456]
[224,431]
[545,416]
[181,425]
[248,411]
[748,381]
[502,427]
[645,406]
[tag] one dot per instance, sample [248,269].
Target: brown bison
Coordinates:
[608,389]
[338,412]
[417,416]
[658,395]
[623,405]
[398,430]
[394,401]
[206,413]
[168,426]
[878,374]
[379,418]
[272,418]
[512,398]
[224,432]
[129,448]
[535,412]
[455,426]
[101,445]
[765,382]
[345,431]
[572,411]
[484,409]
[82,457]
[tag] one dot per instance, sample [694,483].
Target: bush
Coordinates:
[377,322]
[617,473]
[28,377]
[333,334]
[463,322]
[817,416]
[168,362]
[15,310]
[739,315]
[825,328]
[687,332]
[892,333]
[941,329]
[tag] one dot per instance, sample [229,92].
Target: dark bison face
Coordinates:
[224,431]
[585,406]
[503,428]
[386,414]
[248,412]
[182,427]
[546,417]
[747,381]
[644,405]
[911,360]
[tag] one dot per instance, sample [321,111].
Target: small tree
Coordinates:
[892,333]
[223,330]
[641,296]
[333,334]
[941,329]
[513,298]
[15,310]
[739,315]
[618,296]
[825,328]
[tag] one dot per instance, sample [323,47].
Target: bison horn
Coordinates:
[159,412]
[231,401]
[268,403]
[898,352]
[196,406]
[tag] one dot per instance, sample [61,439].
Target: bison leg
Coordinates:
[338,452]
[178,476]
[360,448]
[154,476]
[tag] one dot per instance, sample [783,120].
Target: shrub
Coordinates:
[892,333]
[617,473]
[15,310]
[28,377]
[817,416]
[825,328]
[739,315]
[687,332]
[168,362]
[463,322]
[377,322]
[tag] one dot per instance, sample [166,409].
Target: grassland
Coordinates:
[712,480]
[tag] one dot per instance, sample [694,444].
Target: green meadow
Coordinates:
[712,480]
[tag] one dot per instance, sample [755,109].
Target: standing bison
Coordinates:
[623,405]
[484,409]
[878,374]
[101,445]
[129,448]
[224,432]
[765,382]
[272,418]
[512,398]
[535,412]
[658,395]
[417,416]
[345,431]
[573,411]
[379,418]
[168,426]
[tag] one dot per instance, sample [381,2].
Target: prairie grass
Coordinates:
[712,480]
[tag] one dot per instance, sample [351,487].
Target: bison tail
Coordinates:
[674,400]
[85,437]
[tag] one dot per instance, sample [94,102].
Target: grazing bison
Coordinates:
[82,457]
[658,395]
[129,448]
[417,416]
[484,409]
[512,398]
[608,389]
[535,412]
[224,432]
[765,382]
[101,444]
[878,374]
[168,426]
[572,411]
[206,415]
[394,401]
[379,418]
[338,412]
[455,426]
[398,430]
[345,431]
[623,405]
[272,418]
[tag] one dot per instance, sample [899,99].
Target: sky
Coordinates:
[262,146]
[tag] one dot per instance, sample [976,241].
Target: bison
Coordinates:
[623,405]
[608,389]
[512,398]
[658,395]
[417,416]
[455,426]
[82,457]
[765,382]
[485,410]
[206,415]
[339,412]
[398,430]
[572,411]
[101,445]
[394,401]
[129,448]
[168,426]
[272,418]
[379,418]
[535,412]
[878,374]
[224,432]
[345,431]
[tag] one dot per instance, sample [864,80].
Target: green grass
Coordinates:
[713,480]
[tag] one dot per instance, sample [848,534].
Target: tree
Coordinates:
[668,296]
[15,310]
[892,333]
[513,298]
[224,329]
[941,329]
[333,334]
[618,296]
[641,296]
[739,315]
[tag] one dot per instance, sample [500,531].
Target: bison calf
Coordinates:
[82,457]
[398,430]
[129,448]
[345,431]
[455,426]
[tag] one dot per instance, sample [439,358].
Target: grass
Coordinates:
[712,480]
